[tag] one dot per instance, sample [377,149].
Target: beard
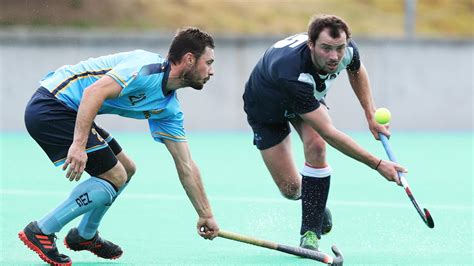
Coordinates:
[321,65]
[191,80]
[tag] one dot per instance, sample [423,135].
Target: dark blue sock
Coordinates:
[314,195]
[90,194]
[91,220]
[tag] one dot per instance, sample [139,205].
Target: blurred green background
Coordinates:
[366,17]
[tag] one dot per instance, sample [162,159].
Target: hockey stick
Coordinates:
[426,216]
[301,252]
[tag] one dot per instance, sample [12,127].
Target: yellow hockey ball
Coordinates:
[383,116]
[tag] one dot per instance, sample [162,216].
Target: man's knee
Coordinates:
[128,164]
[117,175]
[130,169]
[291,191]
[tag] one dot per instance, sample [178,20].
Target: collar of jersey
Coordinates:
[166,68]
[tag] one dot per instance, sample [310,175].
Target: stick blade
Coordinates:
[429,219]
[339,259]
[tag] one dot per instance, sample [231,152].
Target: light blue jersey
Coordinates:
[143,76]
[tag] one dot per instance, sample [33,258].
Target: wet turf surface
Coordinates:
[154,222]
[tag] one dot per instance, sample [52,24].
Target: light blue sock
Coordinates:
[91,220]
[90,194]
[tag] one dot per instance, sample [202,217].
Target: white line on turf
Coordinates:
[156,196]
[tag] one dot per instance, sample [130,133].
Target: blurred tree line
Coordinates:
[382,18]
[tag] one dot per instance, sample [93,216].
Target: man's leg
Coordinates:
[315,184]
[274,143]
[90,194]
[95,244]
[40,236]
[90,222]
[279,161]
[51,124]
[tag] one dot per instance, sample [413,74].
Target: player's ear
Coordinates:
[310,44]
[189,58]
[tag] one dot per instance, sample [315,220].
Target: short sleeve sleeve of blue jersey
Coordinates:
[169,128]
[124,73]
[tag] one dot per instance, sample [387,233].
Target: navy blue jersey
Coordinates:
[284,82]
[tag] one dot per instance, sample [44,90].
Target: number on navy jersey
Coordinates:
[291,41]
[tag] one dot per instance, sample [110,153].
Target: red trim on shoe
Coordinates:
[38,251]
[41,236]
[47,242]
[112,258]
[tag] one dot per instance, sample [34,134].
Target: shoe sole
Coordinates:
[112,258]
[38,251]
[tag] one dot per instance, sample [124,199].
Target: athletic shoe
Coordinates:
[43,245]
[97,245]
[309,241]
[327,221]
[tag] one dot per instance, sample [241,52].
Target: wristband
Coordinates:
[378,164]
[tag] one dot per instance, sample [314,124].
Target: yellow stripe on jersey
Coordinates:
[72,82]
[170,136]
[71,79]
[117,77]
[88,149]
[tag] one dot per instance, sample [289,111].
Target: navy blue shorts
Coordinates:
[268,135]
[51,124]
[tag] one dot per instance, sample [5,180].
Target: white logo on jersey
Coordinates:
[289,115]
[291,41]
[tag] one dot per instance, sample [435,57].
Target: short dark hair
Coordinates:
[318,23]
[189,40]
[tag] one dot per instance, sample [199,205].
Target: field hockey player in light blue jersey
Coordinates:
[60,118]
